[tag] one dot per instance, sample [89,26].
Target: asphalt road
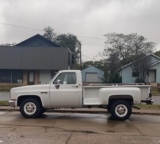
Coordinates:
[62,128]
[5,96]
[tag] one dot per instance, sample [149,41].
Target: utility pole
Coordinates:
[80,57]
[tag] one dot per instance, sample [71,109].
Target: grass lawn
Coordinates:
[4,103]
[145,106]
[155,91]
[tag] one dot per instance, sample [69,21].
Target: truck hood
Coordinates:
[30,88]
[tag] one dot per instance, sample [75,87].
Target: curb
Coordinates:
[91,111]
[145,113]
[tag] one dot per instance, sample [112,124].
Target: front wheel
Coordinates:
[30,108]
[121,110]
[43,110]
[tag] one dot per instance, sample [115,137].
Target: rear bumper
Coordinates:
[12,103]
[150,101]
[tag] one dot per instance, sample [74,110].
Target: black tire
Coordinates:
[43,110]
[109,109]
[30,108]
[121,110]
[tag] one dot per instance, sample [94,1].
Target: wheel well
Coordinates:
[114,98]
[22,98]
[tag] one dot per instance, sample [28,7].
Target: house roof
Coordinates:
[155,63]
[139,59]
[33,58]
[91,67]
[37,40]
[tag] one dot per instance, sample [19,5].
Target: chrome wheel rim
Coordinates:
[121,110]
[30,108]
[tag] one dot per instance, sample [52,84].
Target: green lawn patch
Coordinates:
[145,106]
[4,103]
[155,91]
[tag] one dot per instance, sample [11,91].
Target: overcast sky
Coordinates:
[89,20]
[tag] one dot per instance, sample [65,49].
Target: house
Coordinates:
[129,73]
[33,61]
[92,74]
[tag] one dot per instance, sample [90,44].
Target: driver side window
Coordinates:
[66,78]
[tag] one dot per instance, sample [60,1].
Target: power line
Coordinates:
[24,27]
[39,30]
[20,26]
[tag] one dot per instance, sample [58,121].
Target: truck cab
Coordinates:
[66,89]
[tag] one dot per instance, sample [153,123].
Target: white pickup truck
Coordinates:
[66,90]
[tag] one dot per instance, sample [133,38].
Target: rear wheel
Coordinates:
[121,110]
[30,108]
[109,109]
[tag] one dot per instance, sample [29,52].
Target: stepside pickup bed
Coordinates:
[66,90]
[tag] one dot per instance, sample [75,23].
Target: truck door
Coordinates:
[65,91]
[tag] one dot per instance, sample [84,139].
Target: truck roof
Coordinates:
[69,71]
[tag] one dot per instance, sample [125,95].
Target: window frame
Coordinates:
[11,76]
[135,73]
[65,77]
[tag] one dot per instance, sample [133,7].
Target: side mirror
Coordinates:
[57,85]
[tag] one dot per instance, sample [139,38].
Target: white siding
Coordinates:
[44,76]
[152,76]
[157,68]
[127,75]
[127,72]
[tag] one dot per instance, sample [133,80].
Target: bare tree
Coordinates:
[113,65]
[49,33]
[65,40]
[70,41]
[141,67]
[8,44]
[122,49]
[127,46]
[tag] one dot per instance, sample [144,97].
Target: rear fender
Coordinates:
[131,94]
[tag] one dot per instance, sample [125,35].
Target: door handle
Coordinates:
[44,92]
[75,86]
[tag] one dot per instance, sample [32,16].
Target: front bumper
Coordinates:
[12,103]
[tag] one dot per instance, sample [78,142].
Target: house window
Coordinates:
[11,76]
[5,76]
[17,76]
[135,73]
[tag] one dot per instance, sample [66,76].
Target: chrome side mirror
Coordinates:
[58,81]
[57,85]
